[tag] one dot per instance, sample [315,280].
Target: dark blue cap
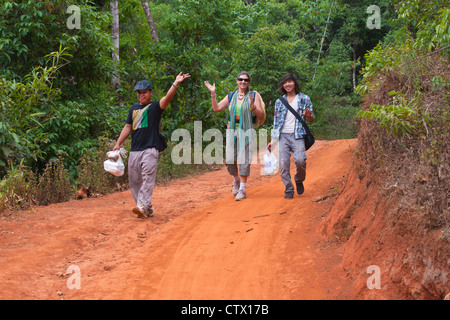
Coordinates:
[143,85]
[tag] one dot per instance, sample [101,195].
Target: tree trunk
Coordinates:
[151,25]
[115,38]
[354,66]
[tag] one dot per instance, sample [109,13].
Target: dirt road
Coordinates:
[201,243]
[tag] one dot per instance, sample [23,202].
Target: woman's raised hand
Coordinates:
[211,88]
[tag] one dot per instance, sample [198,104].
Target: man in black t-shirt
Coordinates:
[143,123]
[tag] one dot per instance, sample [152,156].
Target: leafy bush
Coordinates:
[399,118]
[335,117]
[24,109]
[18,189]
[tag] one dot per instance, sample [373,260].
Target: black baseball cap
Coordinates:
[143,85]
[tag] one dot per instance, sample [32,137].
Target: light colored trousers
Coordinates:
[288,144]
[142,175]
[240,163]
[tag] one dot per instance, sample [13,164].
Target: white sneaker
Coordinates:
[241,195]
[139,210]
[236,185]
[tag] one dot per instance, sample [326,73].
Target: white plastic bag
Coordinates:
[114,164]
[270,163]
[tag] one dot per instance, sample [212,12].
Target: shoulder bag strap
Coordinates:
[286,103]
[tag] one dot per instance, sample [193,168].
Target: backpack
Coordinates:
[256,121]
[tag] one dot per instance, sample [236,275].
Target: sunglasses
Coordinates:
[241,79]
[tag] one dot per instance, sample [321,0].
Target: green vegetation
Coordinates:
[59,106]
[400,118]
[405,118]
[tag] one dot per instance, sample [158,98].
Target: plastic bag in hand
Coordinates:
[270,163]
[114,164]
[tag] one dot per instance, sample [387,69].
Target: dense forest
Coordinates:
[68,69]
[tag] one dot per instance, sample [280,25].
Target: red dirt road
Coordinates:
[201,243]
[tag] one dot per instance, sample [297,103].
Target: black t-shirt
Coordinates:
[145,126]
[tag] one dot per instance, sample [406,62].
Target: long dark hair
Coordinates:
[288,77]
